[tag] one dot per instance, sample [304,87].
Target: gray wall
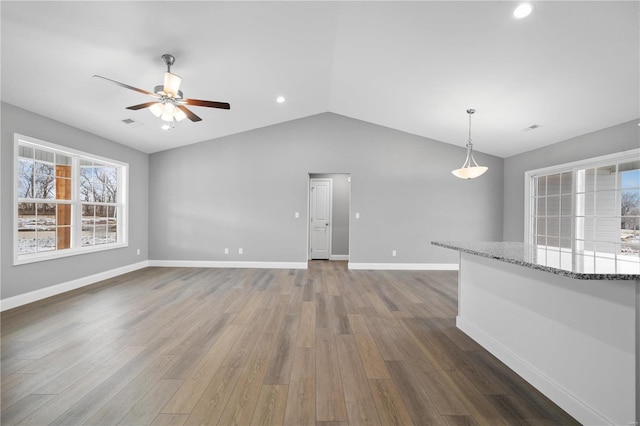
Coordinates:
[622,137]
[33,276]
[242,191]
[340,211]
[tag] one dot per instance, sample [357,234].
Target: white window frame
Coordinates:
[76,248]
[577,255]
[633,154]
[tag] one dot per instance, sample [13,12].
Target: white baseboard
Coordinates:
[339,257]
[405,266]
[563,398]
[227,264]
[43,293]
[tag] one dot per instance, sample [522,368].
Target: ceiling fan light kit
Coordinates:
[170,105]
[470,169]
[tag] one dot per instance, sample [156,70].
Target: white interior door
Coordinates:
[320,218]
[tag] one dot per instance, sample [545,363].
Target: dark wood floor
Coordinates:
[324,346]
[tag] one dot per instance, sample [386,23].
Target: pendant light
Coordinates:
[470,168]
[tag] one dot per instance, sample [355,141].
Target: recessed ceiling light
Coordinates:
[522,11]
[165,127]
[280,99]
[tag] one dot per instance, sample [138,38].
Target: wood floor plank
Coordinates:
[191,350]
[434,385]
[477,404]
[417,402]
[325,345]
[301,399]
[521,392]
[279,370]
[23,408]
[386,341]
[339,316]
[244,398]
[186,397]
[330,403]
[169,419]
[389,403]
[372,361]
[58,362]
[11,381]
[112,410]
[246,313]
[13,365]
[271,405]
[148,408]
[459,420]
[79,389]
[78,370]
[361,409]
[211,404]
[307,327]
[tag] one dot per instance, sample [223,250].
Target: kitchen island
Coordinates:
[568,324]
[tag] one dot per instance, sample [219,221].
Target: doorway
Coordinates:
[329,207]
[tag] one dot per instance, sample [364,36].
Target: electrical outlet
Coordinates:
[226,250]
[240,251]
[297,215]
[393,253]
[357,215]
[138,252]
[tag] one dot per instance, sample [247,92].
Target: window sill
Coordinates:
[57,254]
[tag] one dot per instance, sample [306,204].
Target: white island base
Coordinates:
[575,340]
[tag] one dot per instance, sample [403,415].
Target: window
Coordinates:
[587,214]
[67,202]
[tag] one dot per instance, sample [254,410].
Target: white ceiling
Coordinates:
[571,67]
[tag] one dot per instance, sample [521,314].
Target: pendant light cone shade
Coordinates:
[171,84]
[470,169]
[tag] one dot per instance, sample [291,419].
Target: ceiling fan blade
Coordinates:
[141,106]
[210,104]
[189,114]
[126,86]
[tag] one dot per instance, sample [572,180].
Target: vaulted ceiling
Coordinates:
[571,67]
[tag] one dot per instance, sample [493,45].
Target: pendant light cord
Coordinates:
[469,128]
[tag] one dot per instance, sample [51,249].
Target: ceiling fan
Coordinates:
[169,105]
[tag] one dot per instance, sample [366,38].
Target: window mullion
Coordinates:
[76,209]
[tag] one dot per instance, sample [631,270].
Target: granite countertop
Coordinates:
[583,266]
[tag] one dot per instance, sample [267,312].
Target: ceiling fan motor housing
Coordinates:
[159,89]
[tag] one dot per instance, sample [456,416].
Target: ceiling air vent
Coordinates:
[132,123]
[532,127]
